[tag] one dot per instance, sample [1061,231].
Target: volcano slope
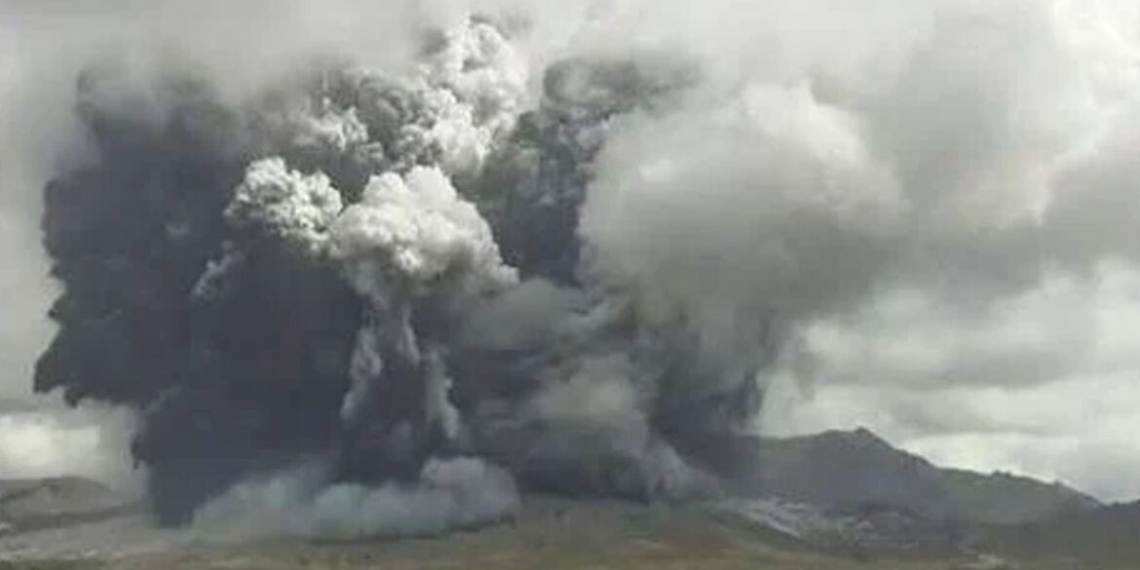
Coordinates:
[560,534]
[552,534]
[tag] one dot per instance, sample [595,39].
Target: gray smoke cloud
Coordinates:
[450,494]
[557,241]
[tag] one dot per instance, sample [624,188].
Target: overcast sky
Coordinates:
[976,298]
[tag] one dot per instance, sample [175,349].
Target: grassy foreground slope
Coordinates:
[553,536]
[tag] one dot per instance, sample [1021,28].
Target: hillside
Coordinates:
[30,504]
[1105,537]
[1002,498]
[833,501]
[856,471]
[549,534]
[557,534]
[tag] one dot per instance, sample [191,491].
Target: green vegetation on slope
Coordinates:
[555,535]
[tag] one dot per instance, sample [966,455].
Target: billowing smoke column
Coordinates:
[379,275]
[353,293]
[566,247]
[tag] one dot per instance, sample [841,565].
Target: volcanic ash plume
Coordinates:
[356,292]
[371,275]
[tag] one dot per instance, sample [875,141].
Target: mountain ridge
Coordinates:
[853,471]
